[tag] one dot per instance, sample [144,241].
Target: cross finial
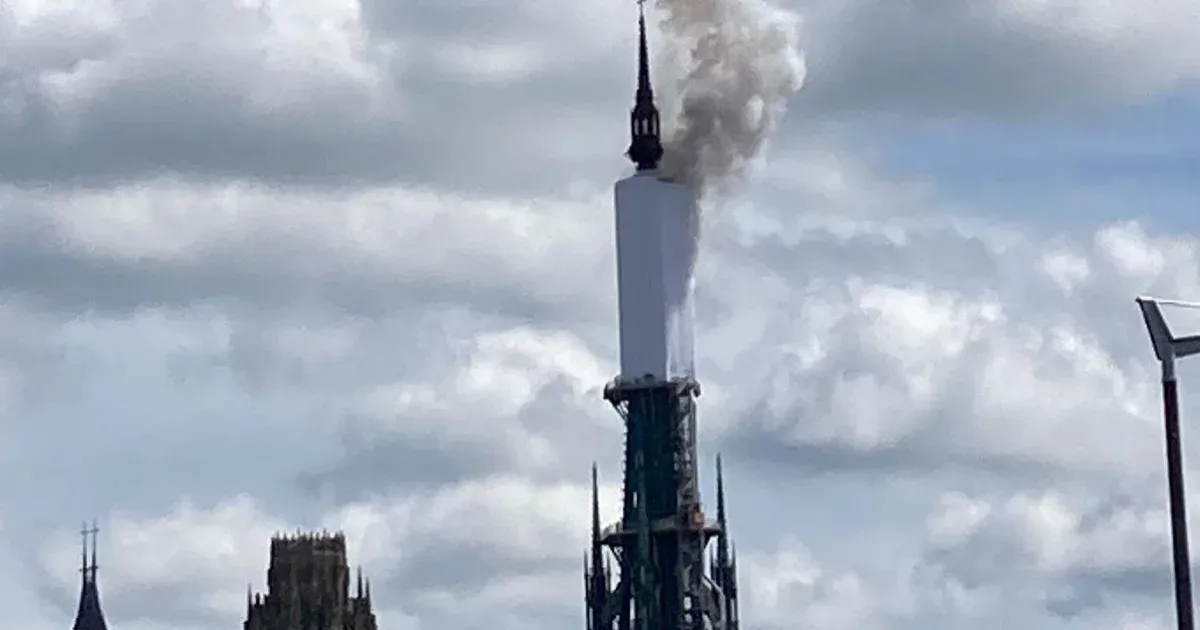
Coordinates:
[83,564]
[94,531]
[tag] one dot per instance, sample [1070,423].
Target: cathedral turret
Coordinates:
[89,616]
[645,146]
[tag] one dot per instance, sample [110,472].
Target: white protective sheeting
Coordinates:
[656,246]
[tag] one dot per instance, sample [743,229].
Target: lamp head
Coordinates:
[1166,346]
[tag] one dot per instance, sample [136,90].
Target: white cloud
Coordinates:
[996,57]
[788,588]
[1076,551]
[981,369]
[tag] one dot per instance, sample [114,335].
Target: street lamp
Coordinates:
[1167,348]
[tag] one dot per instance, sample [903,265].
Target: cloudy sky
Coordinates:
[268,265]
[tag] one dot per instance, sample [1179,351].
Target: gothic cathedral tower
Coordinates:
[308,588]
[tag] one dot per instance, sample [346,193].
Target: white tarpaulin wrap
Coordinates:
[655,247]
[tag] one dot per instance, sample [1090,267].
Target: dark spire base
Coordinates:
[660,543]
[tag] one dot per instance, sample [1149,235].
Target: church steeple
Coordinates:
[89,616]
[724,567]
[645,146]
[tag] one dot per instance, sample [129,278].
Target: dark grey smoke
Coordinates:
[741,62]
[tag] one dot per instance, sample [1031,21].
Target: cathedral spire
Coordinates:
[645,146]
[89,616]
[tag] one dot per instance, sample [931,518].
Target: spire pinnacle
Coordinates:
[645,91]
[94,531]
[723,543]
[597,543]
[645,147]
[720,493]
[595,505]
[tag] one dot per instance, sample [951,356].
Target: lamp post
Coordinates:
[1168,348]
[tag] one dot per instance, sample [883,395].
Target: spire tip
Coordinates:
[645,147]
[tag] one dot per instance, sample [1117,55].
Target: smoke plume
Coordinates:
[741,63]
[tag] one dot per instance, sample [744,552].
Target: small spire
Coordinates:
[597,544]
[597,578]
[595,505]
[89,616]
[720,493]
[645,147]
[360,582]
[645,91]
[723,557]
